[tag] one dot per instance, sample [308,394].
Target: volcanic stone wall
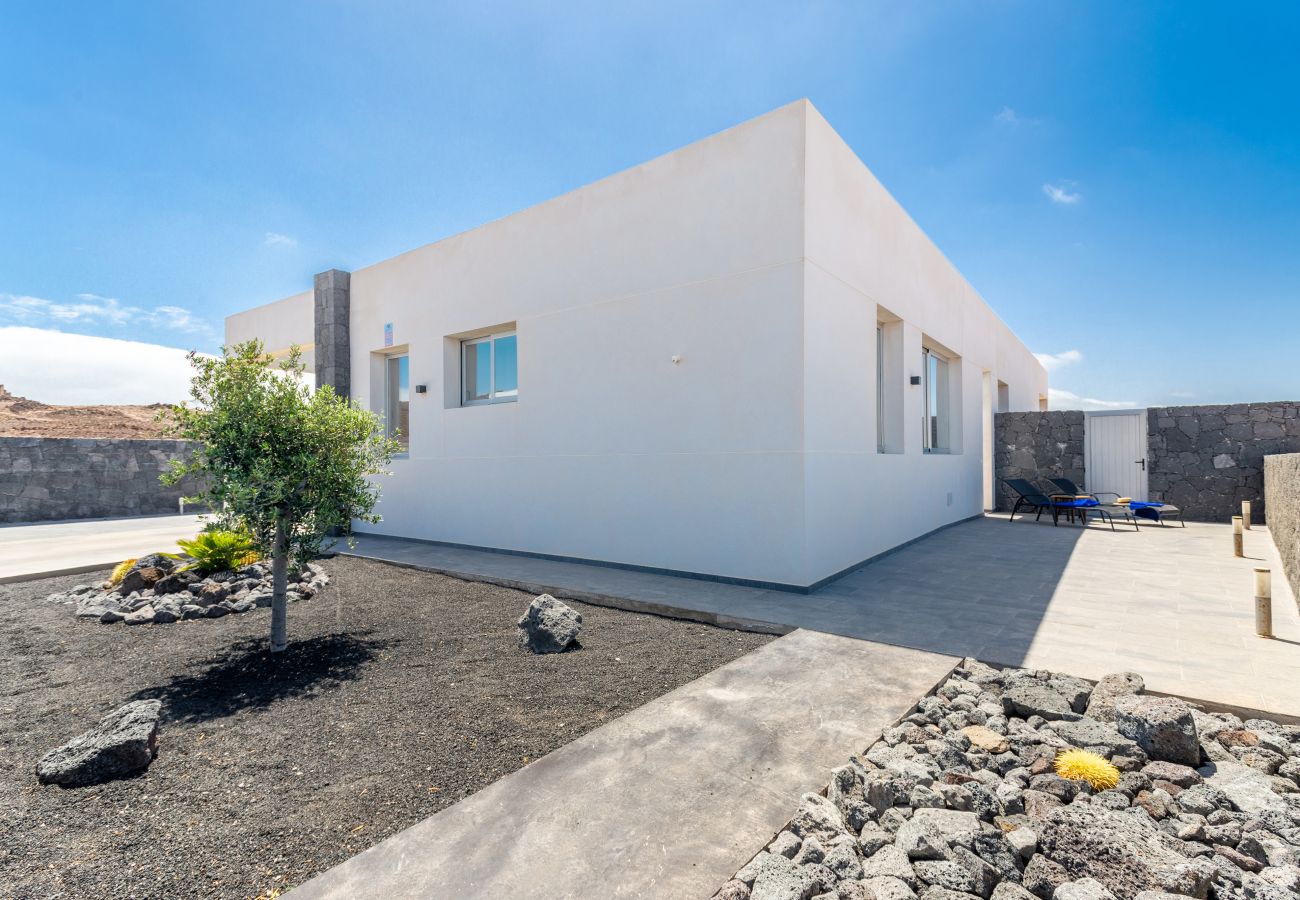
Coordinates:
[1207,459]
[1035,446]
[1282,490]
[83,478]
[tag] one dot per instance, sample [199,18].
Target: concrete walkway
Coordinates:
[666,801]
[1171,603]
[58,548]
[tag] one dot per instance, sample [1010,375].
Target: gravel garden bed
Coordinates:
[401,692]
[962,800]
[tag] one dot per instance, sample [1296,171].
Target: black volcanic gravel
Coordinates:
[401,693]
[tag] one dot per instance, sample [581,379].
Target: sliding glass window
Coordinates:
[397,400]
[489,369]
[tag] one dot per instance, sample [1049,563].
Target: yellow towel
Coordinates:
[1124,500]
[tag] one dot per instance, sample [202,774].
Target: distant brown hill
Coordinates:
[20,417]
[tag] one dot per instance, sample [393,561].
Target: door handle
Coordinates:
[1142,463]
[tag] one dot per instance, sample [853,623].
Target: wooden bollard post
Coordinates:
[1245,514]
[1263,603]
[1237,549]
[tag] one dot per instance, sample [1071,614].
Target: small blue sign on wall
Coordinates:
[388,334]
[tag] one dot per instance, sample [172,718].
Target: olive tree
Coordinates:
[276,459]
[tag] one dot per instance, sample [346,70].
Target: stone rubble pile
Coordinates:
[155,591]
[961,801]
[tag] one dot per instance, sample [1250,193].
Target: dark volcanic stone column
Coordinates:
[333,352]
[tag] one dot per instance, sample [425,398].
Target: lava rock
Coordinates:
[885,888]
[785,844]
[1161,726]
[123,743]
[810,852]
[1089,734]
[1101,705]
[1083,889]
[1009,890]
[956,827]
[890,862]
[1245,788]
[843,861]
[986,739]
[211,593]
[142,616]
[163,615]
[935,892]
[549,626]
[733,890]
[140,577]
[1024,841]
[922,839]
[1126,853]
[1042,877]
[942,873]
[1032,698]
[174,583]
[817,817]
[1183,776]
[782,880]
[1238,859]
[1203,799]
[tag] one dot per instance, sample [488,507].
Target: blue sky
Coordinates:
[1121,181]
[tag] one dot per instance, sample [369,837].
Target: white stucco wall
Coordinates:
[757,256]
[279,325]
[864,253]
[612,452]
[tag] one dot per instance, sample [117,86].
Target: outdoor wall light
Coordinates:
[916,379]
[422,389]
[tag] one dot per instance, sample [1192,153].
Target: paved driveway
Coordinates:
[28,551]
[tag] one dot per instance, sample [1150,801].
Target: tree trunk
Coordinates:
[279,583]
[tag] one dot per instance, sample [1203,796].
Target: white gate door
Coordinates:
[1115,454]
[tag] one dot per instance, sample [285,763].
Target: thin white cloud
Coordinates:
[1059,399]
[275,239]
[1182,395]
[1053,361]
[1007,116]
[92,310]
[55,367]
[1064,193]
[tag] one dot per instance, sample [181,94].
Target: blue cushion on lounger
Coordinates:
[1077,502]
[1146,509]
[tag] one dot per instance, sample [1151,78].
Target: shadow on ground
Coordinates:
[248,676]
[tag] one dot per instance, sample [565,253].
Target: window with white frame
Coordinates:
[489,369]
[397,400]
[936,430]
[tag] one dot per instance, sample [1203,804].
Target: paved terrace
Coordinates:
[1171,603]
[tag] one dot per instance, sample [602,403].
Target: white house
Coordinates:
[741,360]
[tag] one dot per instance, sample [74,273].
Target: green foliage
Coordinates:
[274,452]
[217,551]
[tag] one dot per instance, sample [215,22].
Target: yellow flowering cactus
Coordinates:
[120,572]
[1081,765]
